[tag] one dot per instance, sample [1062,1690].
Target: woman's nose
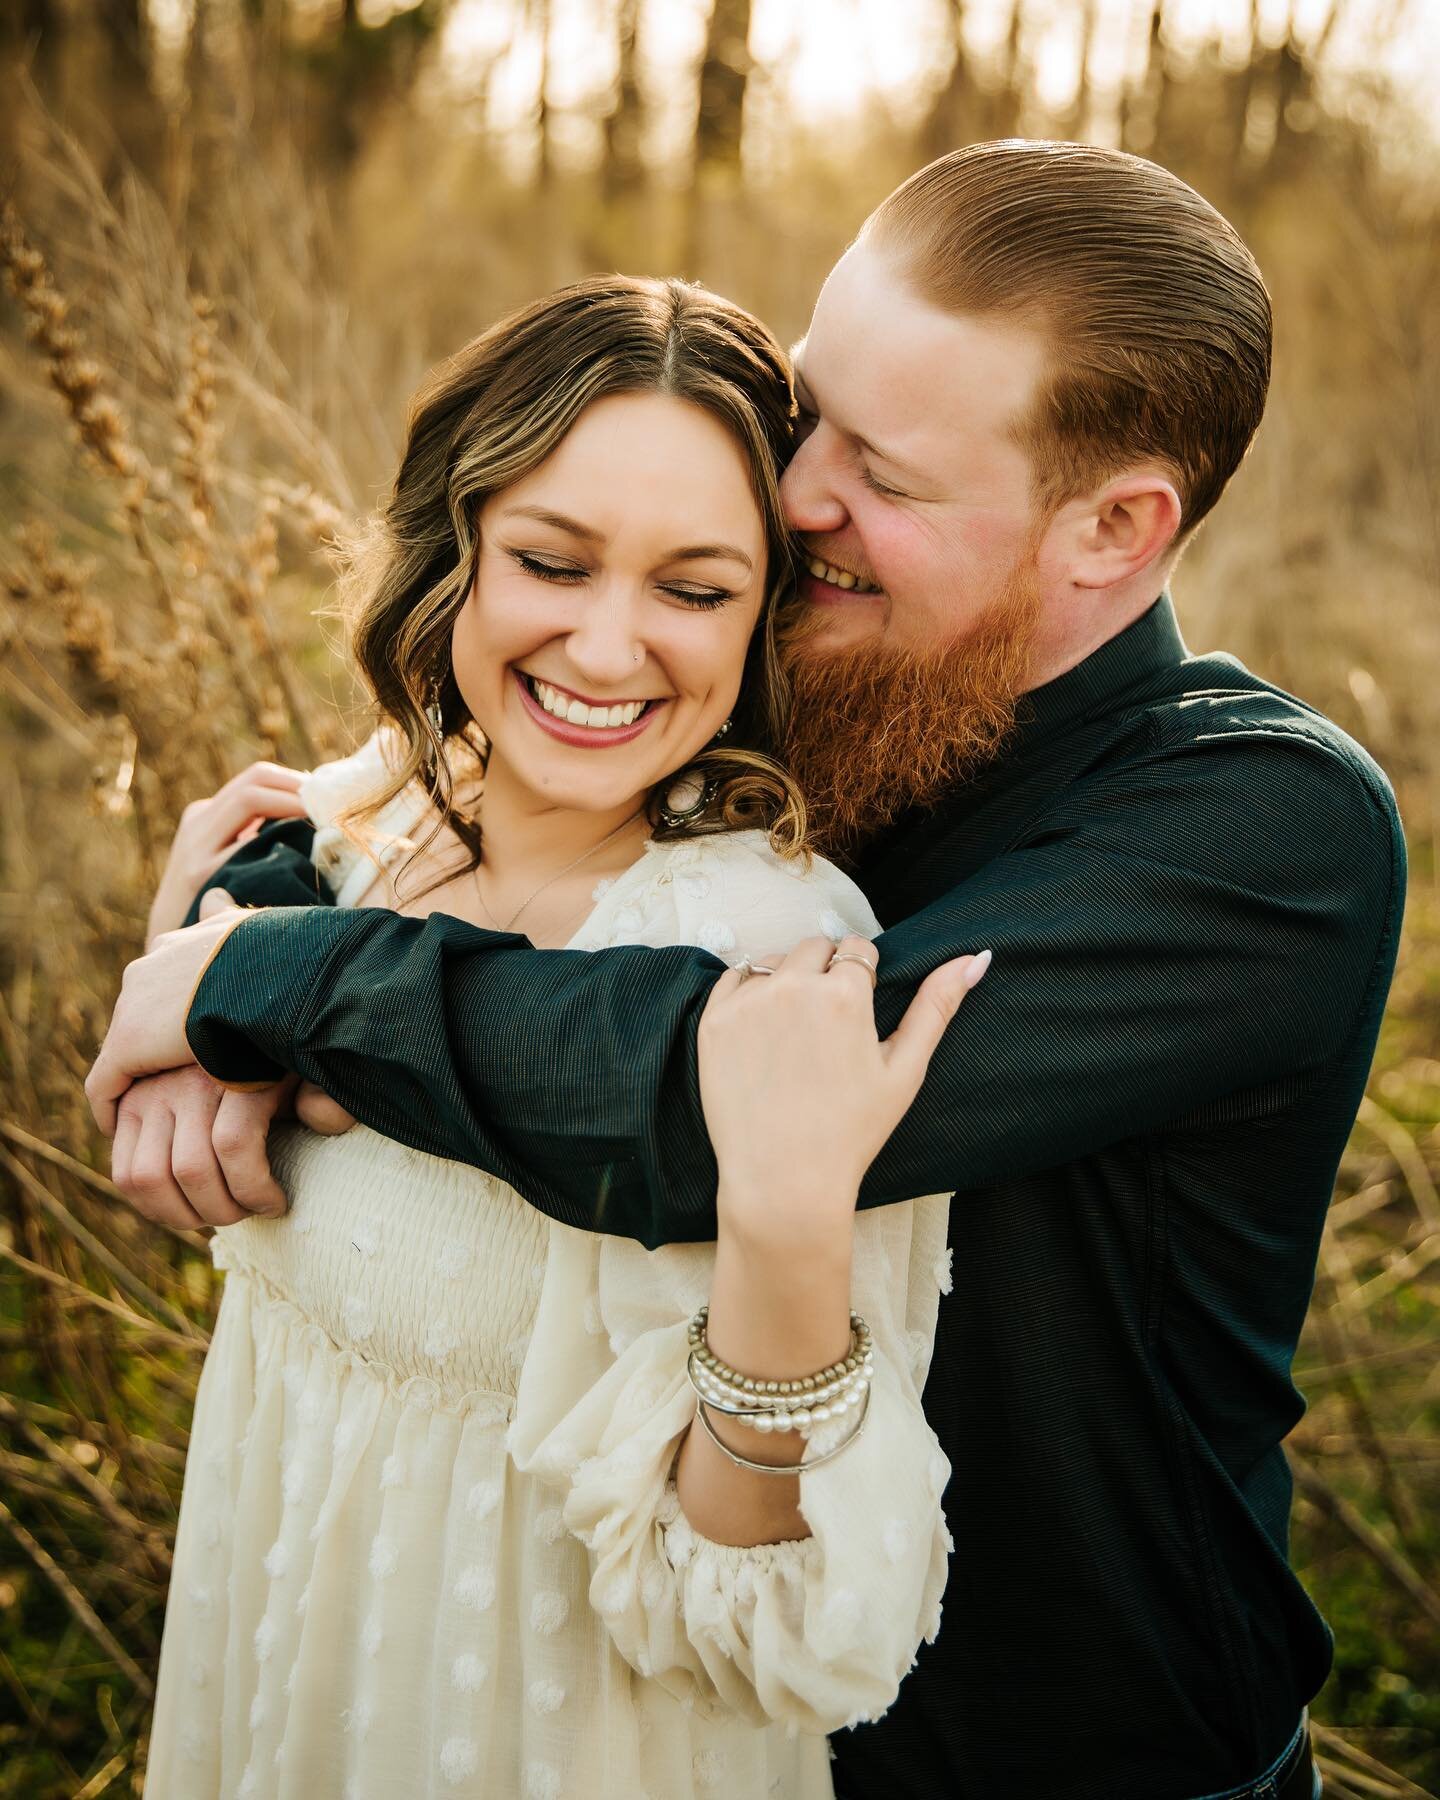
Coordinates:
[607,645]
[807,489]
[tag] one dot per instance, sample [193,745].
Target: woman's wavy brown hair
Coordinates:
[491,414]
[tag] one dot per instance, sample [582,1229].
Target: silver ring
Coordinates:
[855,957]
[746,968]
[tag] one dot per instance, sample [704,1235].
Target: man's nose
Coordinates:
[607,645]
[807,489]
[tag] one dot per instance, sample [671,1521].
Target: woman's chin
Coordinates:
[569,790]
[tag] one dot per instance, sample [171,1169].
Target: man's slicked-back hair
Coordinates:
[1156,314]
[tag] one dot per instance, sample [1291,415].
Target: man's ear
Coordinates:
[1124,528]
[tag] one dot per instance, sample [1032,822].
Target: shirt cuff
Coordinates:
[252,993]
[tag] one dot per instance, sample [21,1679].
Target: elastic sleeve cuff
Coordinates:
[816,1632]
[251,996]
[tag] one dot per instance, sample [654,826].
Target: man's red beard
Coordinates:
[875,730]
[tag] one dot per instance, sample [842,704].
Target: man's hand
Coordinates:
[188,1152]
[147,1029]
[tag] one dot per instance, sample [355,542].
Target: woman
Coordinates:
[446,1528]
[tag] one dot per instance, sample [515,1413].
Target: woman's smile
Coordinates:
[587,723]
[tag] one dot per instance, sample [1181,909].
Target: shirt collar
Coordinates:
[1152,644]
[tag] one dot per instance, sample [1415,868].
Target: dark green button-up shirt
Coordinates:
[1192,884]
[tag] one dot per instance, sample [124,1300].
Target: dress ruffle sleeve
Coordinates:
[350,861]
[816,1633]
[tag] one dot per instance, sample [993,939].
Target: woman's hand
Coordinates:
[185,1147]
[210,831]
[799,1092]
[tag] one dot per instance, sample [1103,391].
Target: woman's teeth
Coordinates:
[576,712]
[841,578]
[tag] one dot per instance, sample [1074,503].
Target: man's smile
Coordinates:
[834,576]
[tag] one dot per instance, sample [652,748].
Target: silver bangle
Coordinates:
[765,1412]
[796,1469]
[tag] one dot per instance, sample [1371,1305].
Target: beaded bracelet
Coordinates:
[799,1404]
[800,1468]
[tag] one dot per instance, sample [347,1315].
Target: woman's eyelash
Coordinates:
[878,487]
[706,599]
[565,573]
[547,571]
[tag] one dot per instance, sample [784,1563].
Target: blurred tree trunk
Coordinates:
[1077,117]
[118,79]
[950,121]
[724,73]
[30,37]
[359,71]
[1294,87]
[1006,102]
[539,12]
[1250,85]
[124,33]
[711,217]
[1162,78]
[624,124]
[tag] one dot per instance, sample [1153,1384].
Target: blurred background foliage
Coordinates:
[236,232]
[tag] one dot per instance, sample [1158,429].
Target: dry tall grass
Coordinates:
[211,379]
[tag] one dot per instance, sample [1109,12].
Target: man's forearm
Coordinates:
[569,1074]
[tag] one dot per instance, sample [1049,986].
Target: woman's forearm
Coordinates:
[777,1312]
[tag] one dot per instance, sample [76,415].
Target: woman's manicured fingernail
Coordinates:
[979,963]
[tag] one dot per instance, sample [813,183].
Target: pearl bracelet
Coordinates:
[799,1404]
[793,1469]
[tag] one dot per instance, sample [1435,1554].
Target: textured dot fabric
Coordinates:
[1192,883]
[429,1542]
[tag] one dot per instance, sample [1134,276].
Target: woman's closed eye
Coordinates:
[876,486]
[705,598]
[545,569]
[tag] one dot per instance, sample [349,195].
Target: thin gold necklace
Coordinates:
[552,879]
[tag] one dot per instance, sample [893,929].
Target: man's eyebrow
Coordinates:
[689,553]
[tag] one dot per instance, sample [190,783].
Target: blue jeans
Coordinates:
[1264,1786]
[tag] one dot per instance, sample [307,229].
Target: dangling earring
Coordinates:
[723,731]
[435,718]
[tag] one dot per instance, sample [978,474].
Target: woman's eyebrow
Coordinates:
[561,522]
[702,552]
[690,553]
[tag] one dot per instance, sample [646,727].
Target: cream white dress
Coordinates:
[429,1544]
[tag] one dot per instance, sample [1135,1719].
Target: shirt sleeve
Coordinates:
[273,868]
[1211,919]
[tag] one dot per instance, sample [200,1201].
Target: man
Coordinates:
[1031,378]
